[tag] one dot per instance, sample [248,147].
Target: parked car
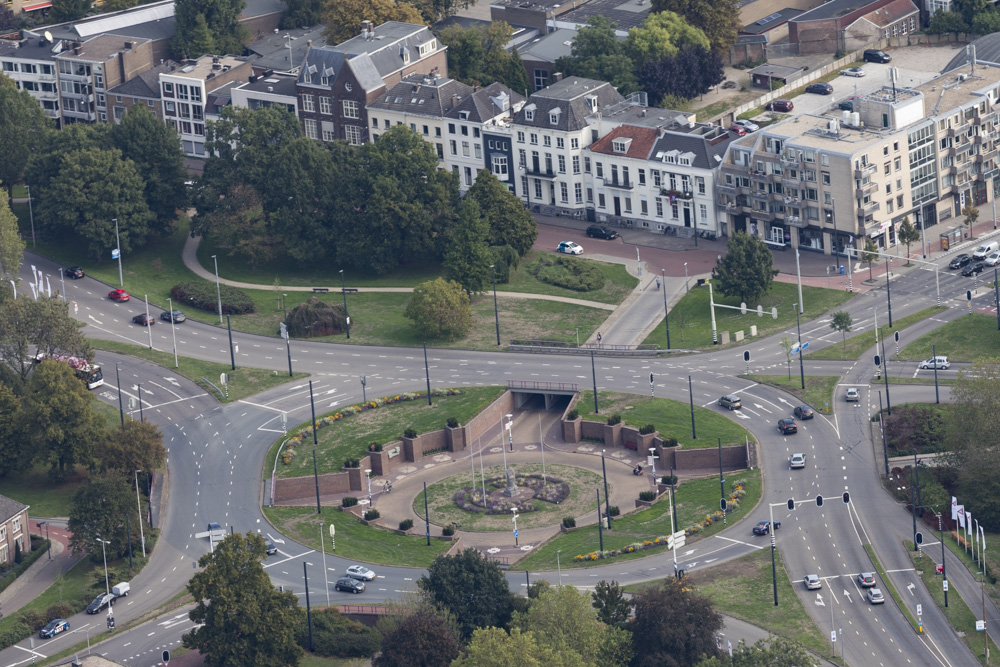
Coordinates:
[973,268]
[820,88]
[787,425]
[875,596]
[569,248]
[848,104]
[941,363]
[784,106]
[803,412]
[852,395]
[74,272]
[853,71]
[54,628]
[812,582]
[747,125]
[601,232]
[866,579]
[360,572]
[993,258]
[876,56]
[797,461]
[731,401]
[960,261]
[349,585]
[738,130]
[764,527]
[99,603]
[118,295]
[178,316]
[144,320]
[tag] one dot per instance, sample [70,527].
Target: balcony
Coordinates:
[724,188]
[867,209]
[679,194]
[538,172]
[796,221]
[868,188]
[961,167]
[959,130]
[733,208]
[775,177]
[618,184]
[867,170]
[735,168]
[790,163]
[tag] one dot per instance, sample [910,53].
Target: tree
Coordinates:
[662,35]
[435,10]
[719,20]
[610,602]
[971,214]
[468,258]
[986,23]
[29,327]
[842,322]
[599,54]
[302,13]
[692,72]
[869,254]
[471,588]
[239,227]
[22,126]
[510,223]
[45,163]
[92,189]
[11,245]
[98,512]
[770,652]
[944,22]
[423,638]
[155,150]
[493,647]
[786,344]
[15,452]
[907,234]
[68,10]
[342,18]
[335,635]
[246,621]
[135,446]
[746,269]
[477,54]
[221,20]
[970,9]
[677,626]
[440,309]
[59,418]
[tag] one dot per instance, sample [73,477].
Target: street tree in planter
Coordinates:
[746,270]
[869,255]
[907,234]
[971,214]
[842,322]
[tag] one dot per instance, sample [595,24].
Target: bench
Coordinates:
[320,290]
[350,290]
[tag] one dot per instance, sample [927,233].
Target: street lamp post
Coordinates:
[149,327]
[364,393]
[687,287]
[121,281]
[218,289]
[496,309]
[368,476]
[607,499]
[514,511]
[798,330]
[173,332]
[138,503]
[31,215]
[284,313]
[343,290]
[559,565]
[107,584]
[666,311]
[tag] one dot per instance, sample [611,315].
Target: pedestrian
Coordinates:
[598,337]
[657,282]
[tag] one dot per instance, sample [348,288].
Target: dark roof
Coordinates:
[275,84]
[751,39]
[707,142]
[145,85]
[9,508]
[424,95]
[33,47]
[569,98]
[321,61]
[487,103]
[776,71]
[271,50]
[627,14]
[833,9]
[987,50]
[550,47]
[771,22]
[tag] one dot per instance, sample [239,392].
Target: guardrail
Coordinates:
[542,384]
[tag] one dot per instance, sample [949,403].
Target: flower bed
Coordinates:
[549,490]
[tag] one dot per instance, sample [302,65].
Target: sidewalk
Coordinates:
[43,572]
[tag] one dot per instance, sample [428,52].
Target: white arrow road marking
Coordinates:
[761,407]
[847,594]
[819,601]
[784,401]
[95,319]
[909,587]
[742,416]
[275,540]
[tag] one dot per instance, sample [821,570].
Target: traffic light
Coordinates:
[723,504]
[746,355]
[847,497]
[791,503]
[819,501]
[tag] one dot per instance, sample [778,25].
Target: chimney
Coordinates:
[454,101]
[367,29]
[557,77]
[128,46]
[270,89]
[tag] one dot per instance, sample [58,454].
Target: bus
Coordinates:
[89,373]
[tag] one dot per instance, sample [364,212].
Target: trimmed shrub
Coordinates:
[569,522]
[647,429]
[448,530]
[335,635]
[614,420]
[614,511]
[648,496]
[669,479]
[406,524]
[568,272]
[573,414]
[374,446]
[316,318]
[670,442]
[33,619]
[202,294]
[352,463]
[410,433]
[371,515]
[452,422]
[59,610]
[348,501]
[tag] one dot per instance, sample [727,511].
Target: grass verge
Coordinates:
[76,588]
[671,418]
[696,498]
[691,320]
[355,540]
[968,338]
[912,380]
[900,602]
[243,381]
[856,345]
[34,488]
[818,392]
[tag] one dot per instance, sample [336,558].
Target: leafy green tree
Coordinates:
[842,322]
[98,512]
[907,234]
[342,18]
[770,652]
[239,227]
[676,625]
[610,602]
[22,126]
[93,188]
[869,254]
[468,258]
[45,163]
[746,269]
[517,75]
[221,19]
[986,22]
[719,20]
[29,326]
[440,309]
[68,10]
[15,451]
[155,150]
[493,647]
[662,35]
[510,223]
[599,54]
[469,587]
[423,638]
[299,13]
[335,635]
[435,10]
[135,446]
[245,620]
[477,54]
[786,344]
[692,72]
[971,214]
[944,22]
[970,9]
[973,438]
[59,418]
[11,245]
[118,5]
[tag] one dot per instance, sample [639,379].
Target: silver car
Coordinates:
[941,363]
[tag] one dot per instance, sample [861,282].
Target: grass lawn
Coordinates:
[959,615]
[355,540]
[992,584]
[696,498]
[691,319]
[311,660]
[856,345]
[671,418]
[968,338]
[243,381]
[919,380]
[349,438]
[33,487]
[818,392]
[618,281]
[76,588]
[743,589]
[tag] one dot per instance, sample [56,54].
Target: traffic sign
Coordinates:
[980,626]
[515,532]
[945,582]
[833,635]
[920,609]
[115,254]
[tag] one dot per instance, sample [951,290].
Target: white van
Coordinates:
[983,251]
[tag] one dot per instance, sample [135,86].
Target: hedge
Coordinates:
[202,294]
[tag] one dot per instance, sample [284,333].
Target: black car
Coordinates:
[848,104]
[99,603]
[785,106]
[764,527]
[350,585]
[803,412]
[973,268]
[786,426]
[960,261]
[144,319]
[74,272]
[820,88]
[877,56]
[601,232]
[177,315]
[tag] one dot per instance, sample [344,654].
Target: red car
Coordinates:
[118,295]
[780,105]
[738,130]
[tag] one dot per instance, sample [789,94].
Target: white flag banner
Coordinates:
[961,516]
[968,525]
[982,540]
[34,291]
[954,508]
[975,536]
[48,286]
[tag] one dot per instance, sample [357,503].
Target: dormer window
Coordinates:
[621,146]
[554,116]
[591,103]
[463,115]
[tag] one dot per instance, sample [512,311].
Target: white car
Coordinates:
[992,259]
[853,71]
[875,596]
[747,125]
[360,572]
[797,461]
[569,248]
[941,363]
[813,582]
[852,395]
